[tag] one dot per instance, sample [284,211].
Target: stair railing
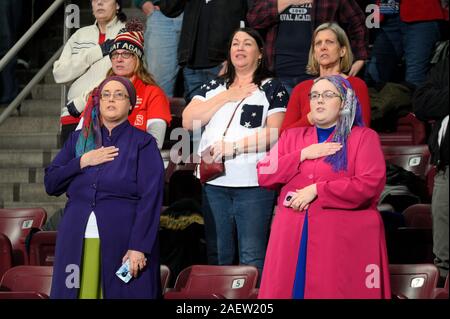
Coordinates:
[38,77]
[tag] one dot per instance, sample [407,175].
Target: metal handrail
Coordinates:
[27,89]
[27,36]
[38,77]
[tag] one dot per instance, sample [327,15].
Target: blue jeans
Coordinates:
[419,40]
[415,41]
[161,44]
[244,213]
[386,53]
[194,78]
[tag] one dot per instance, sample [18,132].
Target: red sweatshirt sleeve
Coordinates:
[298,107]
[362,92]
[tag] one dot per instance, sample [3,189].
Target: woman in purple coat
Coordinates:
[112,174]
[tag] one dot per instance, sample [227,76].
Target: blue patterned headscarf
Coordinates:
[91,134]
[350,115]
[90,137]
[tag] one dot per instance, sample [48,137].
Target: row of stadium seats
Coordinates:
[417,281]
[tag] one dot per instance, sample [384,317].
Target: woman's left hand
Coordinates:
[137,261]
[304,197]
[356,67]
[222,149]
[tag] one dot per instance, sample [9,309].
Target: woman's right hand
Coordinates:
[236,93]
[99,156]
[319,150]
[148,8]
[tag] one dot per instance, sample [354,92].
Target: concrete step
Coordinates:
[46,91]
[50,207]
[30,158]
[40,107]
[47,124]
[17,192]
[22,175]
[25,75]
[29,140]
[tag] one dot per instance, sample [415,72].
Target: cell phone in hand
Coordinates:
[124,272]
[288,198]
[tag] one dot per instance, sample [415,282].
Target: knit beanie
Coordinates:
[131,38]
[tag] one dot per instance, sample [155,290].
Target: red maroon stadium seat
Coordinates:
[16,224]
[442,293]
[28,279]
[414,281]
[180,181]
[5,254]
[165,277]
[230,282]
[413,158]
[42,248]
[446,283]
[22,295]
[177,105]
[410,131]
[191,295]
[180,163]
[407,245]
[418,216]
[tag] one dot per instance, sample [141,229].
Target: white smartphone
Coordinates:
[124,272]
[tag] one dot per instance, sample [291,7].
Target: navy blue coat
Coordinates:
[126,196]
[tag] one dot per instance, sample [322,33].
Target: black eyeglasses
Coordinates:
[326,95]
[124,55]
[119,96]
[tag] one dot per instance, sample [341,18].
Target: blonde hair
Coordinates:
[346,61]
[140,71]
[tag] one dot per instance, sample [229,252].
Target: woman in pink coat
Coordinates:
[327,238]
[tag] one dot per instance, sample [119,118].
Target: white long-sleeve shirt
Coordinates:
[83,63]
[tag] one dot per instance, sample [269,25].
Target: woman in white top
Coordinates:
[234,204]
[85,60]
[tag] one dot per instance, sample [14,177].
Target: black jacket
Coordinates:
[431,103]
[226,17]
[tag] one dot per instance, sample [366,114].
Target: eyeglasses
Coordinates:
[326,95]
[119,96]
[124,55]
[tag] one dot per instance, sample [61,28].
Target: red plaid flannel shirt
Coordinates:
[263,15]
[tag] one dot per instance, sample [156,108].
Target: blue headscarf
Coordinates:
[350,115]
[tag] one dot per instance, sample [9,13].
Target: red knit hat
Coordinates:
[131,38]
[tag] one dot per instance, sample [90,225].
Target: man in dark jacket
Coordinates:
[206,31]
[431,104]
